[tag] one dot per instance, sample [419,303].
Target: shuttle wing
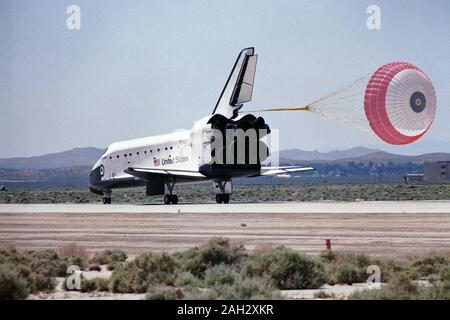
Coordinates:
[164,174]
[272,171]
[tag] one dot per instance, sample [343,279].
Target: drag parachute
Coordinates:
[397,103]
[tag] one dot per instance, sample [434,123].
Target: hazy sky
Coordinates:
[139,68]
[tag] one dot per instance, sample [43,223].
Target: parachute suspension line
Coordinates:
[284,109]
[358,124]
[340,105]
[346,88]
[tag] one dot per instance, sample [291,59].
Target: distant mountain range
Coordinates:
[418,147]
[77,157]
[382,157]
[358,154]
[81,157]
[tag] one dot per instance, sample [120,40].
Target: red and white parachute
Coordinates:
[397,103]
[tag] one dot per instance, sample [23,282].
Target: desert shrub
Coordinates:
[45,262]
[113,265]
[331,278]
[220,275]
[215,252]
[347,267]
[435,292]
[40,283]
[244,288]
[288,269]
[359,261]
[390,268]
[363,261]
[35,281]
[74,254]
[95,284]
[186,278]
[101,284]
[193,293]
[87,285]
[109,256]
[429,265]
[35,267]
[401,288]
[164,293]
[77,261]
[346,273]
[147,269]
[247,288]
[328,256]
[12,285]
[324,295]
[445,274]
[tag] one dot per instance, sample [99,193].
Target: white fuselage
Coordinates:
[175,150]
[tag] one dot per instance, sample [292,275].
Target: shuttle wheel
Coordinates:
[106,200]
[167,199]
[222,198]
[170,199]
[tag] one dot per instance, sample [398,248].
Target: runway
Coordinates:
[375,228]
[276,207]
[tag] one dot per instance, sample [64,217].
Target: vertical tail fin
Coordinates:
[239,86]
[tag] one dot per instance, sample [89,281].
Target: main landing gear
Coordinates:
[106,197]
[170,198]
[222,198]
[222,189]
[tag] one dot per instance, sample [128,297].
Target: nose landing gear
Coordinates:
[106,199]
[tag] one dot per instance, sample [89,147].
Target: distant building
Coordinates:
[436,171]
[413,177]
